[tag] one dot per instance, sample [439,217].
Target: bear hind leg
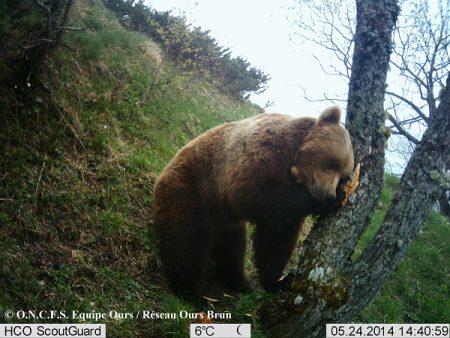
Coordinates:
[184,265]
[181,227]
[229,250]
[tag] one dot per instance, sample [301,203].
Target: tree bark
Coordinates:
[322,282]
[444,203]
[328,287]
[444,199]
[420,187]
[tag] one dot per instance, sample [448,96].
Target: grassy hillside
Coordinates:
[419,289]
[81,147]
[79,157]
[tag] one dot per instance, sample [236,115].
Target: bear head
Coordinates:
[325,157]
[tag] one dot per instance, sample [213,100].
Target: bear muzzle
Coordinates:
[325,194]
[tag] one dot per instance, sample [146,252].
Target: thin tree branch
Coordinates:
[67,28]
[419,189]
[411,104]
[402,131]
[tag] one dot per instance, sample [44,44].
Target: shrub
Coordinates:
[191,47]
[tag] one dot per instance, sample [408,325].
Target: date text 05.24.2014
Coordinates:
[388,330]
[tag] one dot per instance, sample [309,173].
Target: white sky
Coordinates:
[263,32]
[260,31]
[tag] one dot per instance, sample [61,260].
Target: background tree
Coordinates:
[29,30]
[421,58]
[418,66]
[328,285]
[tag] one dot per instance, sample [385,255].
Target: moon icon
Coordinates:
[237,330]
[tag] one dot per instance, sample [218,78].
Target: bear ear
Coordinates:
[331,115]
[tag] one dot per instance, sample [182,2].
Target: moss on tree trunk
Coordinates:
[328,287]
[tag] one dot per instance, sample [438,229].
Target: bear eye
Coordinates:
[333,165]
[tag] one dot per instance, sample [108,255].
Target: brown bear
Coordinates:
[271,170]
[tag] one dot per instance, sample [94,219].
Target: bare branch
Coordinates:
[324,70]
[48,14]
[403,131]
[331,100]
[78,29]
[411,104]
[36,43]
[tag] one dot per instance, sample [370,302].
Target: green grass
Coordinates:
[178,327]
[418,291]
[76,190]
[389,186]
[76,185]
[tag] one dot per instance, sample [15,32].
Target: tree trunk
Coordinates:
[328,287]
[444,199]
[444,203]
[420,187]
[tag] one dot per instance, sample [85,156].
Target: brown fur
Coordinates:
[272,170]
